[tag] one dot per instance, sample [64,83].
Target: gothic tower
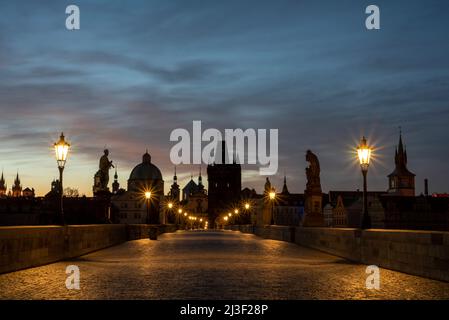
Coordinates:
[115,184]
[174,189]
[225,185]
[3,186]
[200,182]
[284,187]
[401,180]
[17,188]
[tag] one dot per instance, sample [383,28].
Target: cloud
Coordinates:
[134,73]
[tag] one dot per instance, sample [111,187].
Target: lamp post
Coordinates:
[178,217]
[169,219]
[247,213]
[272,196]
[148,198]
[61,152]
[364,154]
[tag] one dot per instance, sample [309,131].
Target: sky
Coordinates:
[137,70]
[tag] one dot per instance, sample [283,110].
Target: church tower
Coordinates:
[284,187]
[200,182]
[17,188]
[401,180]
[115,184]
[3,186]
[224,184]
[174,189]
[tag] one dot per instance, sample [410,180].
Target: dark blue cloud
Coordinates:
[138,69]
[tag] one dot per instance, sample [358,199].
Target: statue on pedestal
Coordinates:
[101,178]
[313,172]
[313,215]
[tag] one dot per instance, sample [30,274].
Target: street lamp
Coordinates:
[247,213]
[61,152]
[169,217]
[148,198]
[364,154]
[272,196]
[178,217]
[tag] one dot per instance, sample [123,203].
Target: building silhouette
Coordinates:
[17,187]
[3,187]
[225,184]
[195,198]
[401,180]
[131,206]
[115,184]
[174,192]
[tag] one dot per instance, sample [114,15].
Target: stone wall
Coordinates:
[25,247]
[422,253]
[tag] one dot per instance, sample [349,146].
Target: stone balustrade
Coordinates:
[29,246]
[422,253]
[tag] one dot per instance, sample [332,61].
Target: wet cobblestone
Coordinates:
[214,265]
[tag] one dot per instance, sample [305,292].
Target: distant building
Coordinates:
[288,207]
[195,198]
[347,207]
[3,187]
[131,206]
[28,193]
[115,184]
[16,188]
[328,215]
[375,211]
[174,192]
[189,189]
[416,213]
[16,211]
[401,180]
[225,185]
[55,189]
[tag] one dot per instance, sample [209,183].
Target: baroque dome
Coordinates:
[145,171]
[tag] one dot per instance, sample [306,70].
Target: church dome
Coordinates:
[146,170]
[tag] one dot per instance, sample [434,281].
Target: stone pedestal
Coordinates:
[313,215]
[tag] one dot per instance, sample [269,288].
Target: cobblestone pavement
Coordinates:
[214,265]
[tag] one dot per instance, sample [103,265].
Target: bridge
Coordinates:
[200,264]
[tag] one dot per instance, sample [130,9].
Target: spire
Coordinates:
[17,180]
[401,146]
[115,184]
[400,157]
[200,182]
[174,188]
[146,158]
[2,184]
[284,188]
